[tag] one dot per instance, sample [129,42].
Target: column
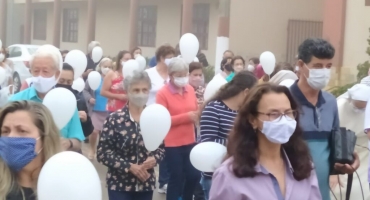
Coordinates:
[333,31]
[187,16]
[91,20]
[222,41]
[27,22]
[3,15]
[134,8]
[57,23]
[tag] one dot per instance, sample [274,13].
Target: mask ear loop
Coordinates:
[41,148]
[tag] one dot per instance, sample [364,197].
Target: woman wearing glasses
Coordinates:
[267,157]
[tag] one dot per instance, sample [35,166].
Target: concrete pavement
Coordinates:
[102,170]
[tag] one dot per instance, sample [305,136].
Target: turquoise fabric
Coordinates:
[230,77]
[100,101]
[73,128]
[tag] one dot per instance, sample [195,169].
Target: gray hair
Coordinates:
[92,45]
[136,77]
[98,67]
[177,65]
[47,51]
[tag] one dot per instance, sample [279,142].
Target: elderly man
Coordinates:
[91,65]
[319,116]
[44,67]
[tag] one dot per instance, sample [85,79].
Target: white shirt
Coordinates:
[157,83]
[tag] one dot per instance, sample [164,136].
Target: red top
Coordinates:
[182,127]
[116,88]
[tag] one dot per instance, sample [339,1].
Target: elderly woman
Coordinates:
[351,112]
[180,100]
[121,147]
[44,67]
[283,75]
[97,105]
[28,138]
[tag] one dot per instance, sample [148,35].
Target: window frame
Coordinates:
[40,24]
[70,25]
[201,22]
[147,26]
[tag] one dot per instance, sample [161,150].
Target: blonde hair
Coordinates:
[98,67]
[50,137]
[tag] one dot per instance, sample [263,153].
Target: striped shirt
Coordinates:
[216,122]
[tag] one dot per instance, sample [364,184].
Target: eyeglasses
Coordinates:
[290,115]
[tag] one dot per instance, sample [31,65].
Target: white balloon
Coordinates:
[129,67]
[78,84]
[268,61]
[155,122]
[97,54]
[94,80]
[287,82]
[2,75]
[213,86]
[77,59]
[55,50]
[69,175]
[62,105]
[142,62]
[189,47]
[207,156]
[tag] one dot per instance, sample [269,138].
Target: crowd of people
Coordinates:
[277,137]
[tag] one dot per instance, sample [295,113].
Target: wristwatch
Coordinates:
[70,144]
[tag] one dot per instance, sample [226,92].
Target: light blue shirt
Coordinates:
[72,130]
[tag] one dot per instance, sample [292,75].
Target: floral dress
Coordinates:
[121,144]
[116,88]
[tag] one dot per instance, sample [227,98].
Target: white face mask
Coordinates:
[139,100]
[43,85]
[318,78]
[296,68]
[181,81]
[104,71]
[250,68]
[238,68]
[2,57]
[279,132]
[167,61]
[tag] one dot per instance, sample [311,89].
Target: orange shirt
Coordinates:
[182,127]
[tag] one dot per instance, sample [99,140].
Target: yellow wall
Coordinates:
[355,38]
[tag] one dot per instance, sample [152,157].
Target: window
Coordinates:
[39,24]
[367,2]
[147,26]
[201,24]
[298,31]
[15,52]
[70,25]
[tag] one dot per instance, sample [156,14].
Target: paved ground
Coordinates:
[102,172]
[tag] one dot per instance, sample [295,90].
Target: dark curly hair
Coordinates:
[243,140]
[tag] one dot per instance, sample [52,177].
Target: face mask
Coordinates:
[68,87]
[196,81]
[181,81]
[17,152]
[104,71]
[318,78]
[139,100]
[279,132]
[2,57]
[167,61]
[238,68]
[228,68]
[357,110]
[296,68]
[42,84]
[250,68]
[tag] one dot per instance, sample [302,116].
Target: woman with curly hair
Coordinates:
[267,156]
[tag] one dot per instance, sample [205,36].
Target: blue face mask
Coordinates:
[17,152]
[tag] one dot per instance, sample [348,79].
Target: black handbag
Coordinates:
[342,146]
